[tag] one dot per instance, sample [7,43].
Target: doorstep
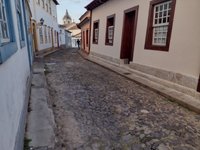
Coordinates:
[46,52]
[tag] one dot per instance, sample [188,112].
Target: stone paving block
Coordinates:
[40,124]
[38,80]
[37,95]
[39,120]
[108,110]
[42,138]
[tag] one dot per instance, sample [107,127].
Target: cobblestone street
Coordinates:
[97,109]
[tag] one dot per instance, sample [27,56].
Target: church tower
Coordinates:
[67,18]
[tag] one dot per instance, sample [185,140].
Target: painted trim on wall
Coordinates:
[90,30]
[96,21]
[106,35]
[198,87]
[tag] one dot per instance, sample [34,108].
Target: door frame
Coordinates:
[87,38]
[83,40]
[198,86]
[136,10]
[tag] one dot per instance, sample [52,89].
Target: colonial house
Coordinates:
[44,24]
[15,71]
[85,31]
[158,39]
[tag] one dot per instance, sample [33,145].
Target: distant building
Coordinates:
[85,31]
[75,33]
[68,39]
[15,71]
[159,39]
[62,35]
[67,18]
[73,28]
[44,24]
[65,37]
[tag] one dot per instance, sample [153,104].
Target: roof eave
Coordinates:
[94,4]
[56,2]
[82,23]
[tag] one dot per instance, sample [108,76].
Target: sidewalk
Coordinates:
[40,122]
[181,98]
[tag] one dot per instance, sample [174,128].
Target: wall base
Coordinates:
[158,85]
[176,81]
[19,142]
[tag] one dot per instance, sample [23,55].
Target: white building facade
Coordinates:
[62,33]
[15,73]
[152,36]
[45,24]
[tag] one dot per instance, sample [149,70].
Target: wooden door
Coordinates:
[129,33]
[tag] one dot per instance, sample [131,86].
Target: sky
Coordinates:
[75,8]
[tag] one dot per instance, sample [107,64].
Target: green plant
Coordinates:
[26,143]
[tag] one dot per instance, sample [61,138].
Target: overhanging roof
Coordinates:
[68,31]
[56,2]
[82,23]
[95,3]
[83,15]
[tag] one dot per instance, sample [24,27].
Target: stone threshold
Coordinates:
[46,52]
[186,100]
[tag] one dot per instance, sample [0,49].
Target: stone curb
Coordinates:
[40,122]
[184,100]
[45,53]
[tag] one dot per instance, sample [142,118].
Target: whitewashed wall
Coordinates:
[39,12]
[184,52]
[13,77]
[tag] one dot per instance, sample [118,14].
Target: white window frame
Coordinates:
[45,33]
[4,22]
[110,34]
[96,34]
[160,27]
[41,35]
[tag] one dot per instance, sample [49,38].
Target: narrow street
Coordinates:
[97,109]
